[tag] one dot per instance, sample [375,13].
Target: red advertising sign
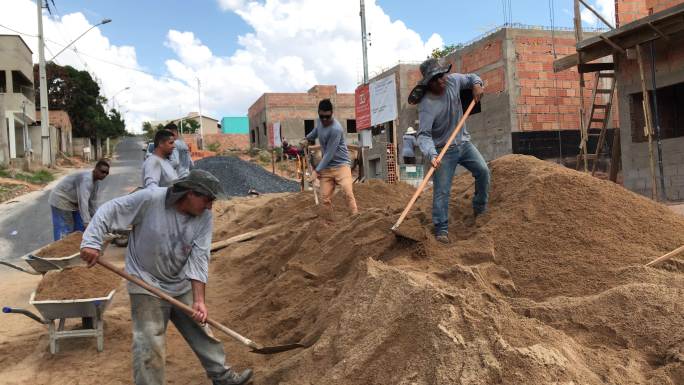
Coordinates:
[362,107]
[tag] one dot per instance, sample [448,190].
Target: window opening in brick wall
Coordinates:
[351,126]
[670,102]
[265,130]
[3,82]
[308,126]
[390,132]
[252,135]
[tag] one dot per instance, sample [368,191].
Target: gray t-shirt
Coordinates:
[440,114]
[157,172]
[76,192]
[180,158]
[335,152]
[407,148]
[166,247]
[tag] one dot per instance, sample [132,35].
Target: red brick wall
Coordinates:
[482,55]
[494,80]
[631,10]
[228,141]
[548,100]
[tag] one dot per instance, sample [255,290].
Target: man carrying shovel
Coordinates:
[439,111]
[335,166]
[169,249]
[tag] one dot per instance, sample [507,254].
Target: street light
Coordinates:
[104,21]
[117,93]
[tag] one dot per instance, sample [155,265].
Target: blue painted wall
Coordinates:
[235,125]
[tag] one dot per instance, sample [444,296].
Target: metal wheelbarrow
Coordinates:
[57,311]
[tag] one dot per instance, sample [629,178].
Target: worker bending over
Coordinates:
[74,200]
[169,249]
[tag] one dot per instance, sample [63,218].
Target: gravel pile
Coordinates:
[238,176]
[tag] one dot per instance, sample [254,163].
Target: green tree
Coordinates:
[189,126]
[77,93]
[445,50]
[148,130]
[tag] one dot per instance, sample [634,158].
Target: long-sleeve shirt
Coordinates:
[180,158]
[158,172]
[407,149]
[335,152]
[76,192]
[166,248]
[440,114]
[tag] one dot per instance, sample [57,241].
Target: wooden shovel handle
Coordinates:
[180,305]
[667,256]
[420,189]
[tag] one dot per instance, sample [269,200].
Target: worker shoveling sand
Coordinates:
[76,283]
[548,287]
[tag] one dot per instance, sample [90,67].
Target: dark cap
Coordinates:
[202,182]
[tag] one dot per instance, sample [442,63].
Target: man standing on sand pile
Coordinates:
[157,169]
[439,111]
[74,200]
[180,156]
[168,248]
[335,166]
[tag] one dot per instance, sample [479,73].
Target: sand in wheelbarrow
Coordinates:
[78,282]
[65,247]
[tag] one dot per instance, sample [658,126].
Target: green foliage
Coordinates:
[148,130]
[215,147]
[77,93]
[189,126]
[38,177]
[265,156]
[445,50]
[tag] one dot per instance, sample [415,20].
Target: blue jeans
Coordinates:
[467,155]
[65,222]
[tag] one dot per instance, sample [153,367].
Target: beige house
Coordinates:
[17,97]
[209,125]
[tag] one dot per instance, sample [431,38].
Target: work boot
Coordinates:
[442,238]
[232,378]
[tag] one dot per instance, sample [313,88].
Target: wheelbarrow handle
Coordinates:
[180,305]
[18,268]
[25,312]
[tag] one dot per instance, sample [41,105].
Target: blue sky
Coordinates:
[240,49]
[145,23]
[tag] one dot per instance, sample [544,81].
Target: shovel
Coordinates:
[313,183]
[256,348]
[418,236]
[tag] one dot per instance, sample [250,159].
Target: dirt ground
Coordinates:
[548,287]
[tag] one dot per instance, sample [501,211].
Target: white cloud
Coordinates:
[293,45]
[605,7]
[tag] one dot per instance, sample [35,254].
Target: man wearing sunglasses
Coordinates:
[335,166]
[439,111]
[74,200]
[169,249]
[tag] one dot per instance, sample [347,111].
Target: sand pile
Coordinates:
[548,287]
[77,282]
[67,246]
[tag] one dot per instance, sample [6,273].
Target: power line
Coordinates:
[95,57]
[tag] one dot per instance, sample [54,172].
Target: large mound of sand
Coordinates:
[547,288]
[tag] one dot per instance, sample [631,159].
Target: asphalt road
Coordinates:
[26,224]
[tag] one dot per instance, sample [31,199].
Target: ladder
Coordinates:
[597,118]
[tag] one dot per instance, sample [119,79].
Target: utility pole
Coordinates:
[365,135]
[199,101]
[364,42]
[44,111]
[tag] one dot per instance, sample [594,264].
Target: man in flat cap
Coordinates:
[169,249]
[439,110]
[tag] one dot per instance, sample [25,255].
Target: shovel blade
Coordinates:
[277,349]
